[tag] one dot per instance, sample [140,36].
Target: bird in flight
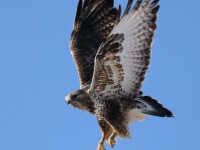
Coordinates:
[112,55]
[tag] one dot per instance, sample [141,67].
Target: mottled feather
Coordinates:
[93,23]
[123,59]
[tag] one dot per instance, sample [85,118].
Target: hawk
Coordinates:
[112,55]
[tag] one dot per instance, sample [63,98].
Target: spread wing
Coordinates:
[93,23]
[123,59]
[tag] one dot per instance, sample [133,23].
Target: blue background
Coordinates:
[37,71]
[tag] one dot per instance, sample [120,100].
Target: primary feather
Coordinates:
[123,59]
[93,23]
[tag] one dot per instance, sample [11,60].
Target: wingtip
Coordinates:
[119,10]
[156,9]
[155,2]
[78,11]
[128,7]
[137,4]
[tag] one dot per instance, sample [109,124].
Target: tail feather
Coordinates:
[150,106]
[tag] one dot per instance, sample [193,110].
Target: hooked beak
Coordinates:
[67,99]
[68,102]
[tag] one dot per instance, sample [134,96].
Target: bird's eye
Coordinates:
[74,96]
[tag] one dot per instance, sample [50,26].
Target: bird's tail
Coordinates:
[150,106]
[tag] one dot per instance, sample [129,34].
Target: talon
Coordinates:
[112,140]
[112,143]
[101,147]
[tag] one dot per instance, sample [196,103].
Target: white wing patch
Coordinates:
[125,56]
[138,30]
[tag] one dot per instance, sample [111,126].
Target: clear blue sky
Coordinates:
[37,71]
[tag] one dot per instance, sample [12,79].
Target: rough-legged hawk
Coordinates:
[112,55]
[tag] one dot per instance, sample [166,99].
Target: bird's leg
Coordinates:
[108,135]
[112,140]
[101,142]
[106,130]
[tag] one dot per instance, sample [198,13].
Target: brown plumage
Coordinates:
[94,21]
[112,56]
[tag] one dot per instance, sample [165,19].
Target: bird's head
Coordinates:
[81,100]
